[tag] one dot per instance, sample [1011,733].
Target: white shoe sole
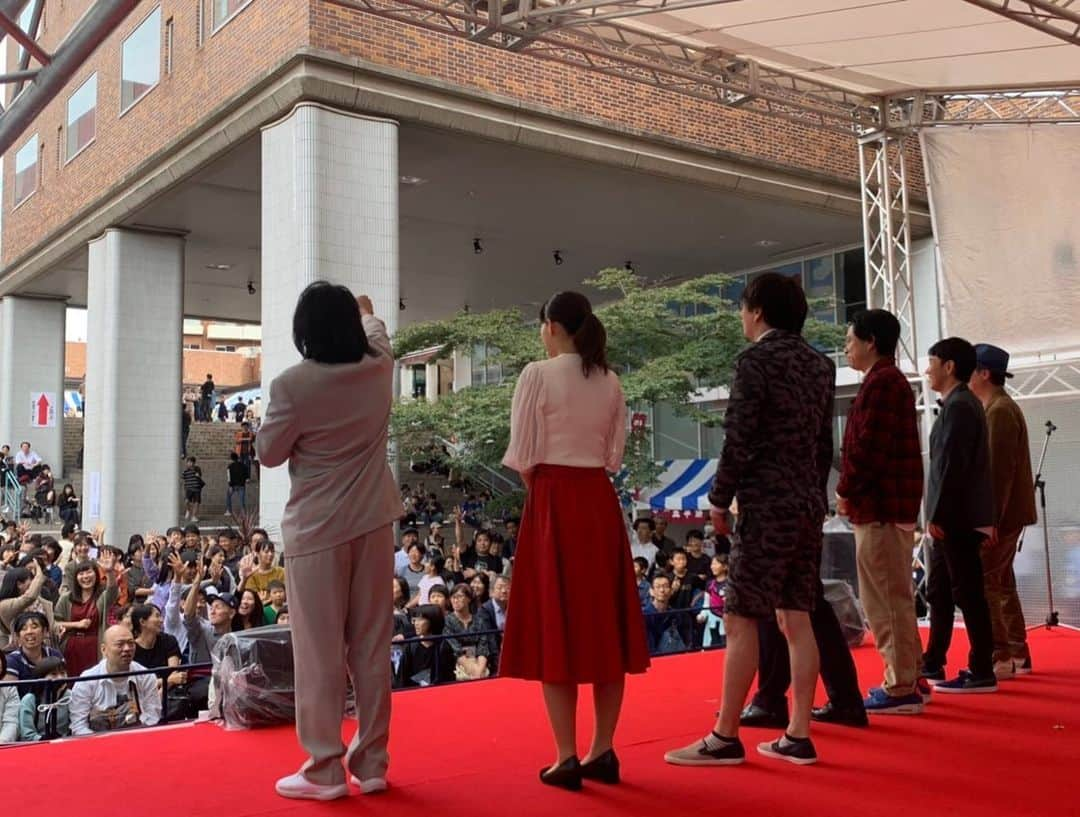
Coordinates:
[674,760]
[374,785]
[321,793]
[766,750]
[906,709]
[975,691]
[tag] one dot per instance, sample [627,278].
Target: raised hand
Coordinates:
[366,307]
[99,534]
[177,565]
[247,566]
[107,560]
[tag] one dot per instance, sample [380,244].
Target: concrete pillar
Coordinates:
[462,369]
[329,212]
[32,367]
[405,379]
[135,307]
[431,381]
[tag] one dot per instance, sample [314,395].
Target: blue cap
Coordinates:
[992,358]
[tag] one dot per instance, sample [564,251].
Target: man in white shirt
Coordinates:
[644,546]
[115,703]
[27,462]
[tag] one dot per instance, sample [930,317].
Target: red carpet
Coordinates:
[474,750]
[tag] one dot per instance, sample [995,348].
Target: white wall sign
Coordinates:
[43,409]
[93,497]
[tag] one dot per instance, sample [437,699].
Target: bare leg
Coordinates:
[561,703]
[607,702]
[803,650]
[740,664]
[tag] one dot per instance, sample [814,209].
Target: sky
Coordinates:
[76,326]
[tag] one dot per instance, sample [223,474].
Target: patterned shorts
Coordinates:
[775,564]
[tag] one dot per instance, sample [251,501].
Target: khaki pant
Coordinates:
[338,603]
[887,592]
[1006,615]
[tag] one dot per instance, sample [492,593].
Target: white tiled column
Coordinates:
[32,365]
[329,212]
[431,381]
[135,303]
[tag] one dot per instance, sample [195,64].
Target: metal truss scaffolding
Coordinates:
[1058,18]
[42,84]
[887,235]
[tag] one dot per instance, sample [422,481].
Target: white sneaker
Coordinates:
[1004,670]
[373,785]
[298,787]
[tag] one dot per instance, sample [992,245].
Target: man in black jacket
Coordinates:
[960,513]
[777,456]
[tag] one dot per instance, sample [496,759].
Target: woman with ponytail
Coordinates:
[575,616]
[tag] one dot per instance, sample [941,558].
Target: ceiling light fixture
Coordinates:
[413,181]
[221,267]
[477,246]
[766,242]
[251,287]
[557,257]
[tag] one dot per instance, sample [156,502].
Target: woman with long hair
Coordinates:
[575,617]
[86,608]
[68,505]
[21,591]
[249,612]
[337,534]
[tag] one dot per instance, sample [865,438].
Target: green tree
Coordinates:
[667,343]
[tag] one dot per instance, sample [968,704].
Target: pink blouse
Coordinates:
[561,417]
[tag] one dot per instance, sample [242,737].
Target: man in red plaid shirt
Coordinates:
[880,489]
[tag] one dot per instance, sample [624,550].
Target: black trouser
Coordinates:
[837,666]
[956,580]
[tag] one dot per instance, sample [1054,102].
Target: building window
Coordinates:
[26,170]
[225,348]
[486,368]
[193,346]
[140,67]
[82,117]
[224,10]
[25,18]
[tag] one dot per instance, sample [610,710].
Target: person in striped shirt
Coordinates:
[193,485]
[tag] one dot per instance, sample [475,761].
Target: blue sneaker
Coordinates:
[882,703]
[968,683]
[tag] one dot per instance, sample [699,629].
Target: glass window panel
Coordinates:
[224,9]
[819,277]
[82,116]
[793,270]
[733,291]
[141,61]
[24,23]
[26,170]
[712,441]
[675,437]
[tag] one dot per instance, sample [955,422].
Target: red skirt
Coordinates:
[574,613]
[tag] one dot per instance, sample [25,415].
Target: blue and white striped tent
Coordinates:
[683,486]
[73,403]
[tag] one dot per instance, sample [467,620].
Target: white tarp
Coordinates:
[1004,208]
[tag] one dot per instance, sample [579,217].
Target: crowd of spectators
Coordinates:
[78,605]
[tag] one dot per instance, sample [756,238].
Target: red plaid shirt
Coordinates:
[881,475]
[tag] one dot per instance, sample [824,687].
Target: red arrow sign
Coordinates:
[43,411]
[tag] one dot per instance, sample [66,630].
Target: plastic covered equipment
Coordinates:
[253,678]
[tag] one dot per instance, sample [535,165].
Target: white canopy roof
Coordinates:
[877,47]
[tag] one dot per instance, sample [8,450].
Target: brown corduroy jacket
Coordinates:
[1010,462]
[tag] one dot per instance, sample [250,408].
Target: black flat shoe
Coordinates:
[567,775]
[839,715]
[603,768]
[759,716]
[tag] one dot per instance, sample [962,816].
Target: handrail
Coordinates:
[50,685]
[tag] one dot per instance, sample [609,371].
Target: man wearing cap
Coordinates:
[1014,508]
[204,634]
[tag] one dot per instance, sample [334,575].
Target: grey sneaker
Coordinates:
[796,750]
[699,754]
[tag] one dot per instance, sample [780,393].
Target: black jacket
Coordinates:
[778,429]
[959,487]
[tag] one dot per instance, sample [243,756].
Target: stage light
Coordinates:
[629,266]
[401,304]
[557,256]
[477,247]
[251,288]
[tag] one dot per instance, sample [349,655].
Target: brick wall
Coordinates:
[229,368]
[230,61]
[267,32]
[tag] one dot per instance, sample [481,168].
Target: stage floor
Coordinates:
[475,750]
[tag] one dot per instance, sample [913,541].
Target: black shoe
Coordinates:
[932,674]
[755,715]
[567,775]
[841,716]
[794,750]
[603,768]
